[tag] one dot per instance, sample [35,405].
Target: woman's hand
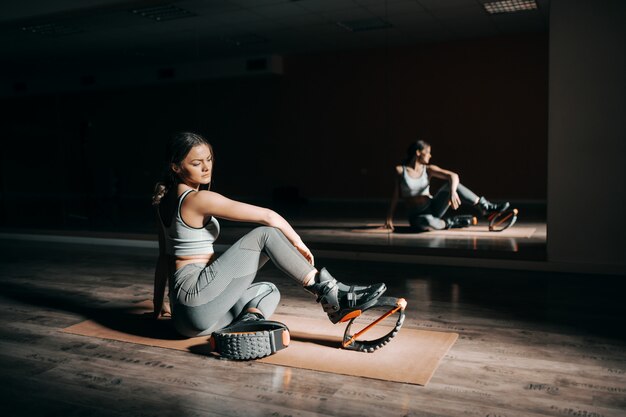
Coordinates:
[453,179]
[165,312]
[455,200]
[305,252]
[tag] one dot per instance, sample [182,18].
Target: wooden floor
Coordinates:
[523,242]
[526,241]
[531,344]
[343,228]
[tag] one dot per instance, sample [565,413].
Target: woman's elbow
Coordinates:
[270,218]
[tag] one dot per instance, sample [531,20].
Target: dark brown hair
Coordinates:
[178,147]
[418,145]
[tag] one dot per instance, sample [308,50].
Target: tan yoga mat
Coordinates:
[411,357]
[476,231]
[483,231]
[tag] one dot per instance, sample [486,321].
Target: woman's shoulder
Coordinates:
[203,200]
[200,195]
[199,202]
[399,169]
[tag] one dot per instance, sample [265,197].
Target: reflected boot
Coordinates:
[250,336]
[343,302]
[463,220]
[487,208]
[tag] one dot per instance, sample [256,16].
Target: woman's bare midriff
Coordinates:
[195,259]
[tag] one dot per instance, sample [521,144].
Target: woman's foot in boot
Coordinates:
[343,302]
[250,336]
[487,208]
[463,220]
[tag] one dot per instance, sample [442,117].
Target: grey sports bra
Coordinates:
[411,187]
[184,240]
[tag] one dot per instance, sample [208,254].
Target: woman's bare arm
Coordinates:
[452,178]
[161,274]
[214,204]
[392,207]
[395,196]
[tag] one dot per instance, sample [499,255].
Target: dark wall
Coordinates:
[77,159]
[587,136]
[481,104]
[333,126]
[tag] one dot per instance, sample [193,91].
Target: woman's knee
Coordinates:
[267,298]
[420,220]
[266,231]
[267,288]
[257,237]
[427,222]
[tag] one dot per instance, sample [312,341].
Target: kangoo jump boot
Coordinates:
[487,208]
[340,301]
[250,336]
[463,220]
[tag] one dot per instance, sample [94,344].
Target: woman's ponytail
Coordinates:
[178,148]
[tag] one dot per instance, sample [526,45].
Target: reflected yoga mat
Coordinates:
[472,231]
[515,231]
[411,357]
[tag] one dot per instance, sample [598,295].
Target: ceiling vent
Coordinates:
[163,13]
[51,29]
[510,6]
[361,25]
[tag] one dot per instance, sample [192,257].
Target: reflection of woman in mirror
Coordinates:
[426,212]
[208,292]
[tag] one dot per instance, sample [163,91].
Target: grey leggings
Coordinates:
[207,298]
[429,216]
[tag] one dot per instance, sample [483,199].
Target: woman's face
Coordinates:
[197,167]
[423,156]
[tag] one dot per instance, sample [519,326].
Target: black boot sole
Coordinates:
[250,345]
[246,340]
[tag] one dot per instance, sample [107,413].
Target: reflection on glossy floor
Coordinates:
[350,227]
[531,344]
[524,241]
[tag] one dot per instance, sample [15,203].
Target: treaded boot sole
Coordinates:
[250,345]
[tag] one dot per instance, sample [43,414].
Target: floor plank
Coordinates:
[531,344]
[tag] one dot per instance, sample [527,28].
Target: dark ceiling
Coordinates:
[87,34]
